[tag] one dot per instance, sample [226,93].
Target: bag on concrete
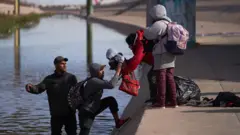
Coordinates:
[187,90]
[226,99]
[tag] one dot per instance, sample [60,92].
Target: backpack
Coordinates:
[187,90]
[75,95]
[177,38]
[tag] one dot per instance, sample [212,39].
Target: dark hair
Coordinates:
[131,38]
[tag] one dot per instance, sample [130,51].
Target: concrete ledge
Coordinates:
[121,27]
[212,66]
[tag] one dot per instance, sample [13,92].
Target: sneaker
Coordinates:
[172,105]
[122,122]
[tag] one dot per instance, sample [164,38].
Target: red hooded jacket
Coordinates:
[139,55]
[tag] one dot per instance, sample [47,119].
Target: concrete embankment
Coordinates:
[214,65]
[9,8]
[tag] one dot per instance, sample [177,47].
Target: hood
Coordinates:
[94,69]
[111,53]
[159,12]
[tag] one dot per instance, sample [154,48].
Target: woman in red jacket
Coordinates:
[134,41]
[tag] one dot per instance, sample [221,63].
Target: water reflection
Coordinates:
[27,57]
[17,61]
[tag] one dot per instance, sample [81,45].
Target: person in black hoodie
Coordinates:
[57,86]
[95,105]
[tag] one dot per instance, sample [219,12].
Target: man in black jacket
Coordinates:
[57,86]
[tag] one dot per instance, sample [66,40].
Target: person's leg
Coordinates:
[71,124]
[152,86]
[56,125]
[85,121]
[171,87]
[113,106]
[161,88]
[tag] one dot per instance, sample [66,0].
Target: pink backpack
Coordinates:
[177,38]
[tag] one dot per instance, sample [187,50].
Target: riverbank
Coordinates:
[214,66]
[9,8]
[9,22]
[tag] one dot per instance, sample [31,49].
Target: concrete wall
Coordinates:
[183,12]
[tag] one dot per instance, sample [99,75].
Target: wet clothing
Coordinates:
[139,55]
[57,87]
[86,118]
[68,121]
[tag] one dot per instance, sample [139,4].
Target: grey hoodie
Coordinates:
[95,86]
[162,59]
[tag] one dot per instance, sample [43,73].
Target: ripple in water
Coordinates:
[22,113]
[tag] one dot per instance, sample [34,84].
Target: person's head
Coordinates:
[131,39]
[60,64]
[158,12]
[97,70]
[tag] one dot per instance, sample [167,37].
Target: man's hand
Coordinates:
[119,58]
[28,87]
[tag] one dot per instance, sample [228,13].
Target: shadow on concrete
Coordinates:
[227,110]
[220,8]
[211,62]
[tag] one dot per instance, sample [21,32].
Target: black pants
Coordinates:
[86,118]
[69,122]
[152,80]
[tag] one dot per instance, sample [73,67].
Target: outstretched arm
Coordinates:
[133,62]
[36,89]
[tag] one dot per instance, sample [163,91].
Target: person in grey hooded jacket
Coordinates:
[164,62]
[94,88]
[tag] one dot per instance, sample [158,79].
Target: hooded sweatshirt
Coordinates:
[162,59]
[138,55]
[94,87]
